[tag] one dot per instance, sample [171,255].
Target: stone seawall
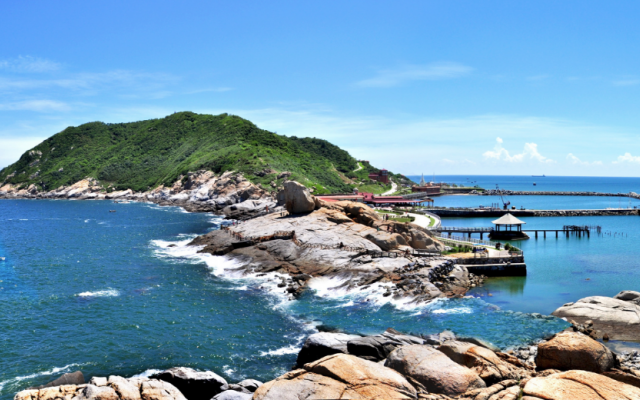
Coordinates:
[489,260]
[473,213]
[493,192]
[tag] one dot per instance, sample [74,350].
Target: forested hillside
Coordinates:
[143,155]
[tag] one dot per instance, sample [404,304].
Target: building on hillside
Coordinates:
[381,176]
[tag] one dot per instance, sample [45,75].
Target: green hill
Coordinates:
[143,155]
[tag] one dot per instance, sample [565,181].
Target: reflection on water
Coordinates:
[513,286]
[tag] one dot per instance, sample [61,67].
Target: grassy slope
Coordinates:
[142,155]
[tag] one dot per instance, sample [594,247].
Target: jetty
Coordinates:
[464,212]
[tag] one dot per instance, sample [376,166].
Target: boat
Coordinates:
[112,210]
[2,258]
[534,184]
[539,176]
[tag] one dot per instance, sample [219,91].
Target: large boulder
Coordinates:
[378,347]
[619,319]
[484,362]
[574,350]
[359,212]
[432,369]
[322,344]
[194,385]
[90,392]
[296,198]
[582,385]
[338,376]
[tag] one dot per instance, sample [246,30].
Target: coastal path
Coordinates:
[394,187]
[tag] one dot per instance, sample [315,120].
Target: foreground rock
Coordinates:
[320,345]
[616,317]
[433,370]
[195,385]
[484,362]
[574,350]
[574,385]
[115,388]
[338,376]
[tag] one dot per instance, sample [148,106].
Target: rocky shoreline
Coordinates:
[392,365]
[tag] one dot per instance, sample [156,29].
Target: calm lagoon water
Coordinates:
[121,293]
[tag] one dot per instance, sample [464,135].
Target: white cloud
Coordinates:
[29,64]
[530,152]
[36,105]
[627,157]
[433,71]
[575,160]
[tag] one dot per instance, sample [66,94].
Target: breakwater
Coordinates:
[494,192]
[473,212]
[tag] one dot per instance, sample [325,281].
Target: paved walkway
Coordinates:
[359,168]
[420,220]
[394,187]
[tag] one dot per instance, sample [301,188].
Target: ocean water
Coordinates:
[121,293]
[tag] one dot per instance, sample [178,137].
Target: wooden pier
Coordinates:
[567,230]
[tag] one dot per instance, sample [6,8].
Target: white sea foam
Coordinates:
[147,373]
[100,293]
[457,310]
[52,371]
[291,349]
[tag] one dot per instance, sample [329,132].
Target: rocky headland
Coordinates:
[345,242]
[569,365]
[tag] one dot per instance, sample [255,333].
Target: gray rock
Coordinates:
[297,198]
[96,393]
[323,344]
[250,384]
[233,395]
[378,347]
[434,370]
[194,385]
[71,378]
[619,319]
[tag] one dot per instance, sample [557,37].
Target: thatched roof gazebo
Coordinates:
[508,227]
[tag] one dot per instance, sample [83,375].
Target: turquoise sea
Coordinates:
[121,293]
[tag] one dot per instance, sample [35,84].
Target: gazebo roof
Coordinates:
[508,219]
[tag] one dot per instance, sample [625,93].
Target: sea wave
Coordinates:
[291,349]
[52,371]
[147,373]
[100,293]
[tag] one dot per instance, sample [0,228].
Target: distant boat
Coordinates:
[2,258]
[534,184]
[112,210]
[539,176]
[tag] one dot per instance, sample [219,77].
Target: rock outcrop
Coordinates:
[338,376]
[573,350]
[618,318]
[195,385]
[433,370]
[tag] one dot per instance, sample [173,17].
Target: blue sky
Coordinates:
[444,87]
